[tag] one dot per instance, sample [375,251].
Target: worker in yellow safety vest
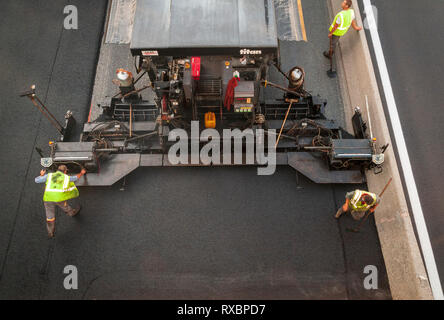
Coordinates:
[60,188]
[358,203]
[342,22]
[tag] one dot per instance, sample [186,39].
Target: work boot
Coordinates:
[339,213]
[326,54]
[75,212]
[51,228]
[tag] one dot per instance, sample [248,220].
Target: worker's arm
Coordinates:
[345,206]
[336,26]
[355,25]
[372,209]
[78,176]
[42,177]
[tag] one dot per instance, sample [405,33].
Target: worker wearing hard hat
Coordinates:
[342,22]
[358,202]
[59,189]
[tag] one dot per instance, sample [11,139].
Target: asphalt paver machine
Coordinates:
[208,64]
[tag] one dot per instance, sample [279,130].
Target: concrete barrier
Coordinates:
[405,268]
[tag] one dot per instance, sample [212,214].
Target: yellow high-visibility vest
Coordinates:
[346,21]
[356,203]
[59,188]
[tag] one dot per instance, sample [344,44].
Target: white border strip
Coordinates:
[412,191]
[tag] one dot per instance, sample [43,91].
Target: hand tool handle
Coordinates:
[382,192]
[283,124]
[385,188]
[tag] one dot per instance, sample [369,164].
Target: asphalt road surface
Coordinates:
[172,233]
[413,45]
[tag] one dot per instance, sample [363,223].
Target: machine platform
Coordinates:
[184,28]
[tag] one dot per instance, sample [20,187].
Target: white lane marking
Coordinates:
[412,191]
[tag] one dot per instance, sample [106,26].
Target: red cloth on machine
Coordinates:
[229,94]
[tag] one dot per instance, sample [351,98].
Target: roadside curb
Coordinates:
[405,268]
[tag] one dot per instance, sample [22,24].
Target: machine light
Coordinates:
[195,68]
[210,120]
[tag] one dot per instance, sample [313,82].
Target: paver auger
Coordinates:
[213,70]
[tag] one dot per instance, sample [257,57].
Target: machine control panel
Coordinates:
[244,96]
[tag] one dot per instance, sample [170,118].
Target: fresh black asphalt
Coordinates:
[173,232]
[413,46]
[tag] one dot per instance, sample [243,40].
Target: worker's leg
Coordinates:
[50,208]
[331,51]
[335,41]
[70,211]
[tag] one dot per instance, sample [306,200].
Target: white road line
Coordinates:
[412,191]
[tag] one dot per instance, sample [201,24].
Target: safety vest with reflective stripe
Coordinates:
[59,188]
[346,21]
[356,203]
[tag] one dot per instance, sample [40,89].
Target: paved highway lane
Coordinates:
[35,49]
[176,232]
[413,44]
